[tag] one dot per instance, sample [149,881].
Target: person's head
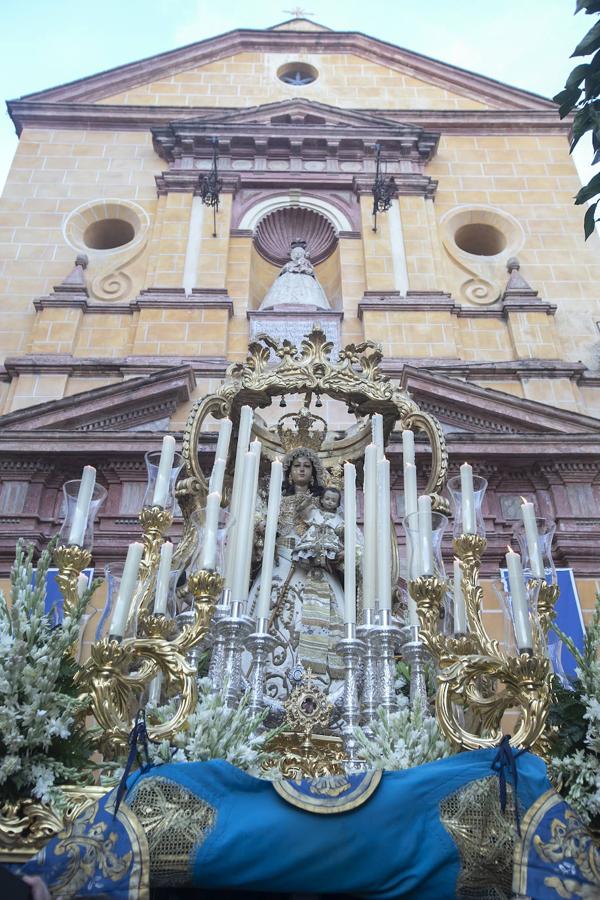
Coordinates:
[330,499]
[301,474]
[297,253]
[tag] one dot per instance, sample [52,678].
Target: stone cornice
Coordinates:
[66,364]
[214,367]
[35,114]
[490,371]
[446,76]
[151,298]
[436,301]
[406,184]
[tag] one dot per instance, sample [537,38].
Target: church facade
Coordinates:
[124,296]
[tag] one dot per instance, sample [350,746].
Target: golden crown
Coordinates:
[303,435]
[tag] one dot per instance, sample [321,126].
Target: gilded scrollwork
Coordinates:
[475,672]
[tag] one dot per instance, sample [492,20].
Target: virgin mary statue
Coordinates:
[307,600]
[296,284]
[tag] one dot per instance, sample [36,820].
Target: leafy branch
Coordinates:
[580,95]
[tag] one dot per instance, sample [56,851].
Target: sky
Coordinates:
[526,43]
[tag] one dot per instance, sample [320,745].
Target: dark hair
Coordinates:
[315,488]
[330,487]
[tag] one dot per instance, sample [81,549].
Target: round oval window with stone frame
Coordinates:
[106,226]
[297,74]
[480,240]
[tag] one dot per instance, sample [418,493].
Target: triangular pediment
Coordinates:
[461,406]
[451,81]
[300,111]
[138,404]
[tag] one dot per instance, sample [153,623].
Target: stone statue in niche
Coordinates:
[296,284]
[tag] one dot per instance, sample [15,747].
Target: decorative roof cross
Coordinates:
[298,12]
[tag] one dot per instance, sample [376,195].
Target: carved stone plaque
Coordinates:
[293,326]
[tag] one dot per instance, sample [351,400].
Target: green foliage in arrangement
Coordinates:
[575,715]
[43,742]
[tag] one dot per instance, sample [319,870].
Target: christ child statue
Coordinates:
[322,542]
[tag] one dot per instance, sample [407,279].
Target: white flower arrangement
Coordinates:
[403,739]
[41,742]
[215,731]
[578,770]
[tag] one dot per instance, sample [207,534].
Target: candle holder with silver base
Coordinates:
[235,628]
[387,638]
[415,654]
[352,650]
[260,644]
[217,656]
[367,634]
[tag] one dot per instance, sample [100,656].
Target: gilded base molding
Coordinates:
[27,825]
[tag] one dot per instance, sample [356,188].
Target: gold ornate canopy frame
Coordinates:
[355,379]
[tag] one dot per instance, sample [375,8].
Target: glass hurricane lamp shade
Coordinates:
[152,459]
[224,531]
[522,629]
[545,535]
[84,535]
[439,523]
[462,504]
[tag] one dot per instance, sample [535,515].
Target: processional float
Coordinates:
[154,644]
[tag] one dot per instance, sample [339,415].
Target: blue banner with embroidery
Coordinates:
[394,845]
[100,853]
[557,857]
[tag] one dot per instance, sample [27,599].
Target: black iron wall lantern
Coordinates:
[210,185]
[384,189]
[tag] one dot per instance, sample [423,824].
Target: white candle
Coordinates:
[408,447]
[425,535]
[215,484]
[126,589]
[256,448]
[349,544]
[460,613]
[243,438]
[266,574]
[370,527]
[223,439]
[377,433]
[211,525]
[520,605]
[163,476]
[384,538]
[82,507]
[162,579]
[536,560]
[82,584]
[245,528]
[467,499]
[410,489]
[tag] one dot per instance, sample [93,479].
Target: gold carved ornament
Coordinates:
[26,824]
[118,671]
[475,672]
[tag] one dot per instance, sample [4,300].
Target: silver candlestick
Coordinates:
[235,628]
[217,657]
[415,654]
[260,643]
[352,650]
[367,633]
[387,638]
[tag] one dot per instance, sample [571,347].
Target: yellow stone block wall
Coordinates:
[421,244]
[181,332]
[532,178]
[377,248]
[411,333]
[240,287]
[171,243]
[247,79]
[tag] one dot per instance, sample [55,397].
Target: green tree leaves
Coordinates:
[580,96]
